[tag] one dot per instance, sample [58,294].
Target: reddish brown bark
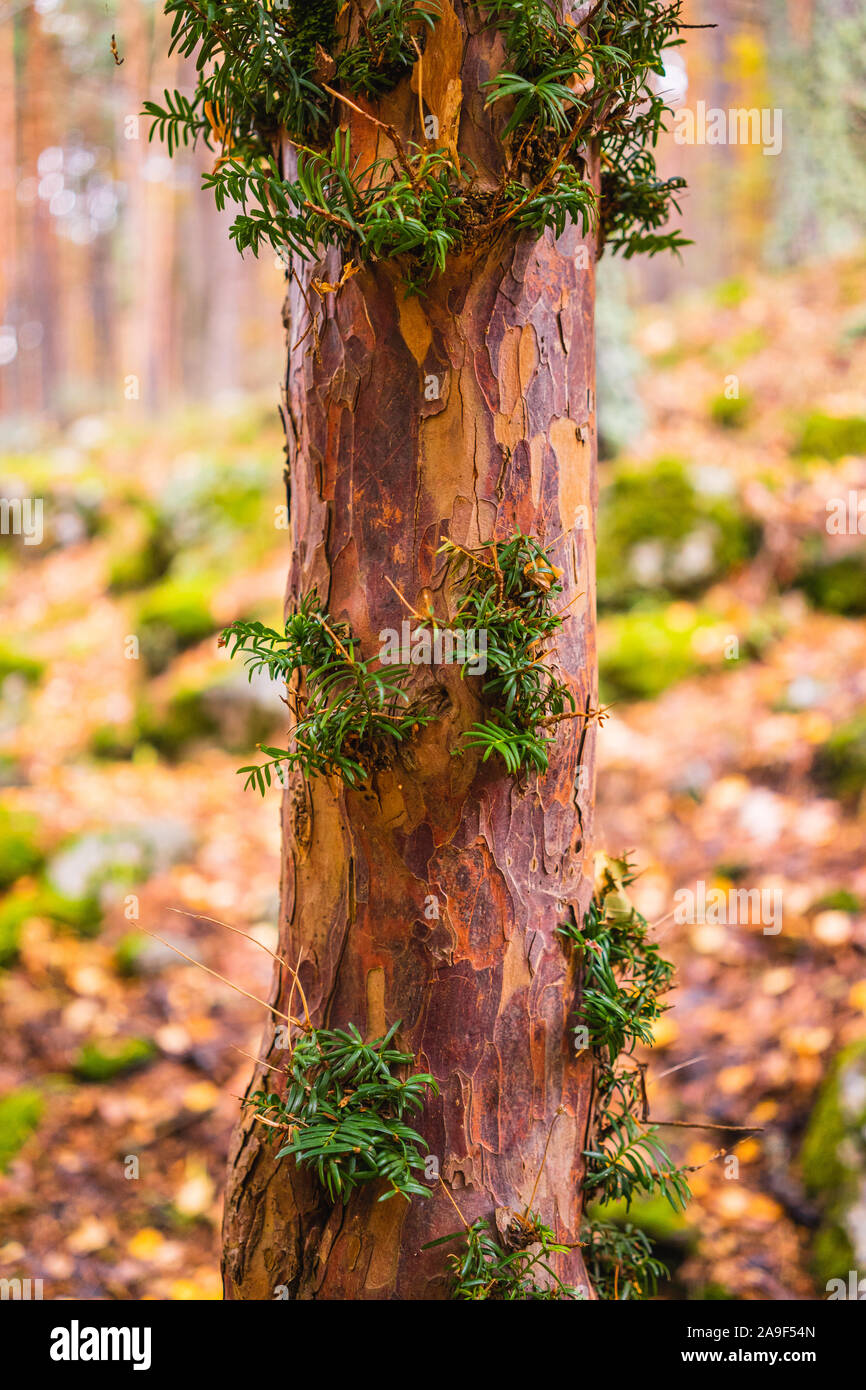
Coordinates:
[379,476]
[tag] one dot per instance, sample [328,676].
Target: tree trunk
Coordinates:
[433,898]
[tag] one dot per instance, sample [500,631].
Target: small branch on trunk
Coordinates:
[402,157]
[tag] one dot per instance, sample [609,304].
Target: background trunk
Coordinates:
[434,897]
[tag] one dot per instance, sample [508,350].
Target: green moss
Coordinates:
[20,851]
[744,345]
[15,663]
[833,1158]
[104,1060]
[20,1113]
[144,561]
[735,872]
[655,1215]
[643,652]
[830,436]
[836,586]
[80,916]
[832,1254]
[730,412]
[839,765]
[83,916]
[12,919]
[113,742]
[172,616]
[127,953]
[840,900]
[730,294]
[186,720]
[657,533]
[313,22]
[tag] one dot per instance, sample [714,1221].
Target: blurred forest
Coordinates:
[139,366]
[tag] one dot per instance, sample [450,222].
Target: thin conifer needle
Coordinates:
[217,976]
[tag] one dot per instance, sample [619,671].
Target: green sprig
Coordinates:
[343,1112]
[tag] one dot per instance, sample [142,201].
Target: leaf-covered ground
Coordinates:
[747,771]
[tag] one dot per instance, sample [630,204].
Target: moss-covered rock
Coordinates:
[20,850]
[836,585]
[15,663]
[145,556]
[20,1113]
[172,616]
[100,865]
[658,534]
[231,711]
[730,412]
[839,766]
[102,1061]
[833,1162]
[643,652]
[80,915]
[831,436]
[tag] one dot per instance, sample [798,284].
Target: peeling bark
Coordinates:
[379,475]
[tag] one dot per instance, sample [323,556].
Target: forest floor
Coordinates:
[729,668]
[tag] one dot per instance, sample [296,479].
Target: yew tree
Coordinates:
[439,177]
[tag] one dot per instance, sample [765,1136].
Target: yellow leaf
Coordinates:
[145,1243]
[201,1096]
[857,996]
[665,1031]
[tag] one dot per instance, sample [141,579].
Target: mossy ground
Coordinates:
[833,1161]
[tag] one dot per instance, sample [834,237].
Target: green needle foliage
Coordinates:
[620,1262]
[387,48]
[635,202]
[622,979]
[343,1112]
[370,211]
[507,589]
[352,714]
[629,1159]
[518,1269]
[349,715]
[267,70]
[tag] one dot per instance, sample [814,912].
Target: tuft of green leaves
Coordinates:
[350,716]
[636,203]
[369,211]
[507,590]
[268,69]
[518,1269]
[620,1262]
[387,49]
[566,88]
[343,1109]
[622,978]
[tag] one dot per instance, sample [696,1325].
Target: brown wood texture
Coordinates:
[379,475]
